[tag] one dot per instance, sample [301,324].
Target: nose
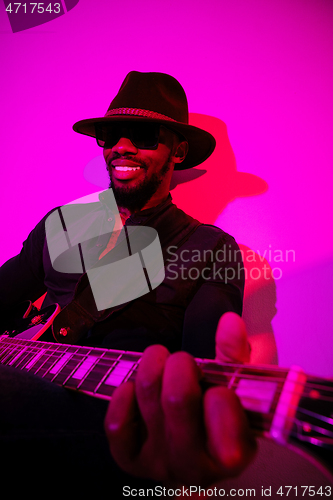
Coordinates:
[123,146]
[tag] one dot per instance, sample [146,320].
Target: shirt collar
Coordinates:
[137,217]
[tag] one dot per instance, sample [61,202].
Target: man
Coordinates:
[145,135]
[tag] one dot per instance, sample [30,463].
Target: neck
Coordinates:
[126,212]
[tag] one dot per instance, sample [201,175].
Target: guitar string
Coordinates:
[54,350]
[245,376]
[45,357]
[98,368]
[324,432]
[218,374]
[205,363]
[241,376]
[267,418]
[75,367]
[50,345]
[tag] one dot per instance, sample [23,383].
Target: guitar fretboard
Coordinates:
[93,371]
[280,403]
[98,372]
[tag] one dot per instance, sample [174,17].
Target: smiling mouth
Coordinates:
[125,169]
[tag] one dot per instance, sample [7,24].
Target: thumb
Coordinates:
[231,340]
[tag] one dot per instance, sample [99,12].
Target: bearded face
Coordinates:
[141,176]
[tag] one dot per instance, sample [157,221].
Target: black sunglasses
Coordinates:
[141,135]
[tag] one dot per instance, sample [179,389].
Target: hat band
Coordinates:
[138,112]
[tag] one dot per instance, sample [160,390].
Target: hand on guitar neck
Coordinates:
[163,427]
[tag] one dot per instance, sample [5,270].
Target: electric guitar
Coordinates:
[285,405]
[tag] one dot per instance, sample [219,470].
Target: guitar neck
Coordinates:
[281,404]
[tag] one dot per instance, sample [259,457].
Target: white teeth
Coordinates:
[124,169]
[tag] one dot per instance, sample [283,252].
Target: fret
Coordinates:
[259,390]
[65,367]
[9,355]
[3,348]
[34,359]
[233,380]
[77,368]
[48,360]
[92,382]
[22,360]
[85,367]
[57,360]
[37,368]
[256,395]
[118,374]
[122,370]
[43,365]
[25,360]
[7,351]
[83,371]
[17,354]
[2,351]
[60,363]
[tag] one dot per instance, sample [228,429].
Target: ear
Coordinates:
[181,152]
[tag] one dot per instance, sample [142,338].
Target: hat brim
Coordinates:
[201,143]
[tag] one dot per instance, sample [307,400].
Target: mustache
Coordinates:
[117,156]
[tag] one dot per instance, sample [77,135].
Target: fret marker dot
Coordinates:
[314,394]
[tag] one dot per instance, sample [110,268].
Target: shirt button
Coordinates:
[99,244]
[110,219]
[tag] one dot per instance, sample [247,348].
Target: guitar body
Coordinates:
[277,466]
[32,323]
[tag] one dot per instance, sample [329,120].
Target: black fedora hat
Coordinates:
[160,98]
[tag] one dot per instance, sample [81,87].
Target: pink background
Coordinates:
[258,74]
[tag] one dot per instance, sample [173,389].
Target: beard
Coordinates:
[135,198]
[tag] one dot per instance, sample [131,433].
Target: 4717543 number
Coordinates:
[305,491]
[33,8]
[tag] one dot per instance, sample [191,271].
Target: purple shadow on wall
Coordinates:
[23,16]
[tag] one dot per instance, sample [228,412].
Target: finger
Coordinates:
[231,340]
[122,425]
[230,439]
[182,401]
[148,386]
